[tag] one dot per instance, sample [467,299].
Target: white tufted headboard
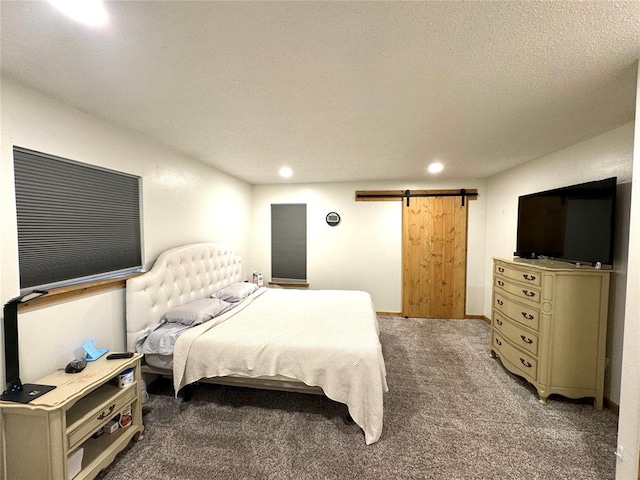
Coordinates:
[179,275]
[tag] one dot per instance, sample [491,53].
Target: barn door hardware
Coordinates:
[407,194]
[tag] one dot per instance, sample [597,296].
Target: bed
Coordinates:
[311,341]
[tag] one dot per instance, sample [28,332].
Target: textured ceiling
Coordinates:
[340,91]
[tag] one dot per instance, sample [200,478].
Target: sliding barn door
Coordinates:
[434,243]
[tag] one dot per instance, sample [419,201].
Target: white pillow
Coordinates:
[196,312]
[235,292]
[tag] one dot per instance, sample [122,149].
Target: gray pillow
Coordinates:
[236,291]
[196,312]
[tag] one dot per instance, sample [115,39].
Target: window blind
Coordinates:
[289,241]
[75,221]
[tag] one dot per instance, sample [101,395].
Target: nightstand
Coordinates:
[43,438]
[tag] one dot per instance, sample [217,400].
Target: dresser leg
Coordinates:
[492,354]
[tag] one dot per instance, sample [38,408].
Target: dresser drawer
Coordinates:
[521,363]
[86,426]
[525,315]
[523,292]
[518,336]
[517,274]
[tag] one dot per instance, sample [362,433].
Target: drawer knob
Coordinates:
[501,270]
[500,283]
[499,302]
[498,321]
[529,294]
[531,278]
[525,363]
[526,315]
[498,342]
[107,413]
[526,340]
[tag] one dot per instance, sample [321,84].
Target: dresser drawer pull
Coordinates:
[499,302]
[501,270]
[529,294]
[526,315]
[526,276]
[498,321]
[500,283]
[525,363]
[107,413]
[498,342]
[526,340]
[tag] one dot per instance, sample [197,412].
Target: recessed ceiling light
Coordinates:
[285,172]
[435,167]
[89,12]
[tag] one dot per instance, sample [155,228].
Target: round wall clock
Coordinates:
[333,219]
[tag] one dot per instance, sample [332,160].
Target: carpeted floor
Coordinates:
[452,412]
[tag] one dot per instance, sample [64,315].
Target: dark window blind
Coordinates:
[75,221]
[289,241]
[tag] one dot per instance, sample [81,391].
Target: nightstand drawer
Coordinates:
[518,336]
[82,429]
[525,315]
[519,275]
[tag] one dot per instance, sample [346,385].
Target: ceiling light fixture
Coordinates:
[88,12]
[435,167]
[285,172]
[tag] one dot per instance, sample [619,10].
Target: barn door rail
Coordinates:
[367,196]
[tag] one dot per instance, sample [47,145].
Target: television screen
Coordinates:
[573,223]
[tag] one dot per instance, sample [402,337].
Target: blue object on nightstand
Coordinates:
[93,353]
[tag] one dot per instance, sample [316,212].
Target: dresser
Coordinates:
[76,429]
[549,325]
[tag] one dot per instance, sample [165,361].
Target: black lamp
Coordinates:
[17,391]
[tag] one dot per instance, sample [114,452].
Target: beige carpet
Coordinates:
[451,413]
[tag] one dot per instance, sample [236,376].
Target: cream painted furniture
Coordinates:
[39,436]
[549,325]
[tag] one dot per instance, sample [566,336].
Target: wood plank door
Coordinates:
[434,257]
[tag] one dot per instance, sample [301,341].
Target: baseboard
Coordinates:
[478,317]
[611,405]
[467,317]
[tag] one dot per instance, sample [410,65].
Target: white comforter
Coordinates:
[325,338]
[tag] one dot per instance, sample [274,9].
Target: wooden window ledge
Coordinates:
[78,290]
[288,284]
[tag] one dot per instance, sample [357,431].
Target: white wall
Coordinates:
[629,420]
[607,155]
[364,251]
[184,201]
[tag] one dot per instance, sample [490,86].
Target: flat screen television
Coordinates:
[574,223]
